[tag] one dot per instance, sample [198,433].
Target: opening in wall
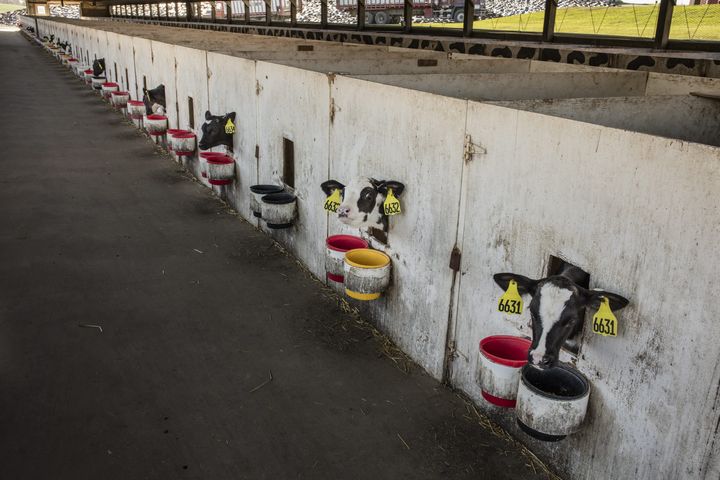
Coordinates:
[191,113]
[127,79]
[144,84]
[556,266]
[289,162]
[117,79]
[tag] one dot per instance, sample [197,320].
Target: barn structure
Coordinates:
[516,153]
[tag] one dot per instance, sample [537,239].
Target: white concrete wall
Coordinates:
[685,117]
[389,133]
[231,88]
[518,86]
[637,211]
[298,110]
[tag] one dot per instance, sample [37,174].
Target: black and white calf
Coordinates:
[154,100]
[98,67]
[556,310]
[363,198]
[216,131]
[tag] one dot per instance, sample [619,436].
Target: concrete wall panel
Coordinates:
[519,86]
[389,133]
[232,89]
[297,110]
[624,207]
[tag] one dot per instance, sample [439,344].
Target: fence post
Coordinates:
[549,20]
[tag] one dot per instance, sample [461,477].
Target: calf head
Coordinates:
[217,130]
[154,100]
[363,198]
[98,67]
[556,310]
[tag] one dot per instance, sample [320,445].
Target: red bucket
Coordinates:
[220,160]
[501,358]
[337,245]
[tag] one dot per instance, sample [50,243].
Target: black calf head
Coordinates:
[217,130]
[363,198]
[98,67]
[555,309]
[154,100]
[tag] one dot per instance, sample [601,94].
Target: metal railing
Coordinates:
[664,25]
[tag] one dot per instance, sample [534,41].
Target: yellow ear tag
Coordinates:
[333,201]
[511,301]
[604,321]
[391,204]
[229,127]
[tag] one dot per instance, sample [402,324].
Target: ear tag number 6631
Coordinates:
[333,201]
[604,320]
[511,301]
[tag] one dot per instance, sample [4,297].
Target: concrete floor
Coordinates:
[99,228]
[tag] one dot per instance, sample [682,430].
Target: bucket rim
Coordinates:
[561,366]
[500,360]
[352,263]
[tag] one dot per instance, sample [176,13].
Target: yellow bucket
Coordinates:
[367,273]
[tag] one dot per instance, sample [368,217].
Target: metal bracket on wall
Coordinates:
[472,149]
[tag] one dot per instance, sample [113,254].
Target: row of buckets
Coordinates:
[364,272]
[549,403]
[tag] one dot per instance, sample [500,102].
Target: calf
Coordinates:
[98,67]
[217,130]
[556,310]
[363,198]
[154,100]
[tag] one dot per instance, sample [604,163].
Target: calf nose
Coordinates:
[343,211]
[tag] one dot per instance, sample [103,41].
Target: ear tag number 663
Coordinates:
[604,321]
[511,301]
[333,201]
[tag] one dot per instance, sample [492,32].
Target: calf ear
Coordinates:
[396,186]
[231,116]
[208,115]
[331,185]
[525,284]
[593,299]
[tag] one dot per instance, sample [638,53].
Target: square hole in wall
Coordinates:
[557,266]
[289,162]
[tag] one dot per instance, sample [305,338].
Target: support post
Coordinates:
[293,13]
[469,17]
[247,10]
[549,20]
[662,31]
[323,14]
[268,12]
[361,15]
[407,15]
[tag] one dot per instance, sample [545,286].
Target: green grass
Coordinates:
[6,7]
[698,22]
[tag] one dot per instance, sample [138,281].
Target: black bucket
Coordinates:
[561,384]
[264,190]
[280,199]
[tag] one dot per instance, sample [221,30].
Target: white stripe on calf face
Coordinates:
[552,304]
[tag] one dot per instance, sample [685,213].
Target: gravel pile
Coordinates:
[71,11]
[10,18]
[311,13]
[506,8]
